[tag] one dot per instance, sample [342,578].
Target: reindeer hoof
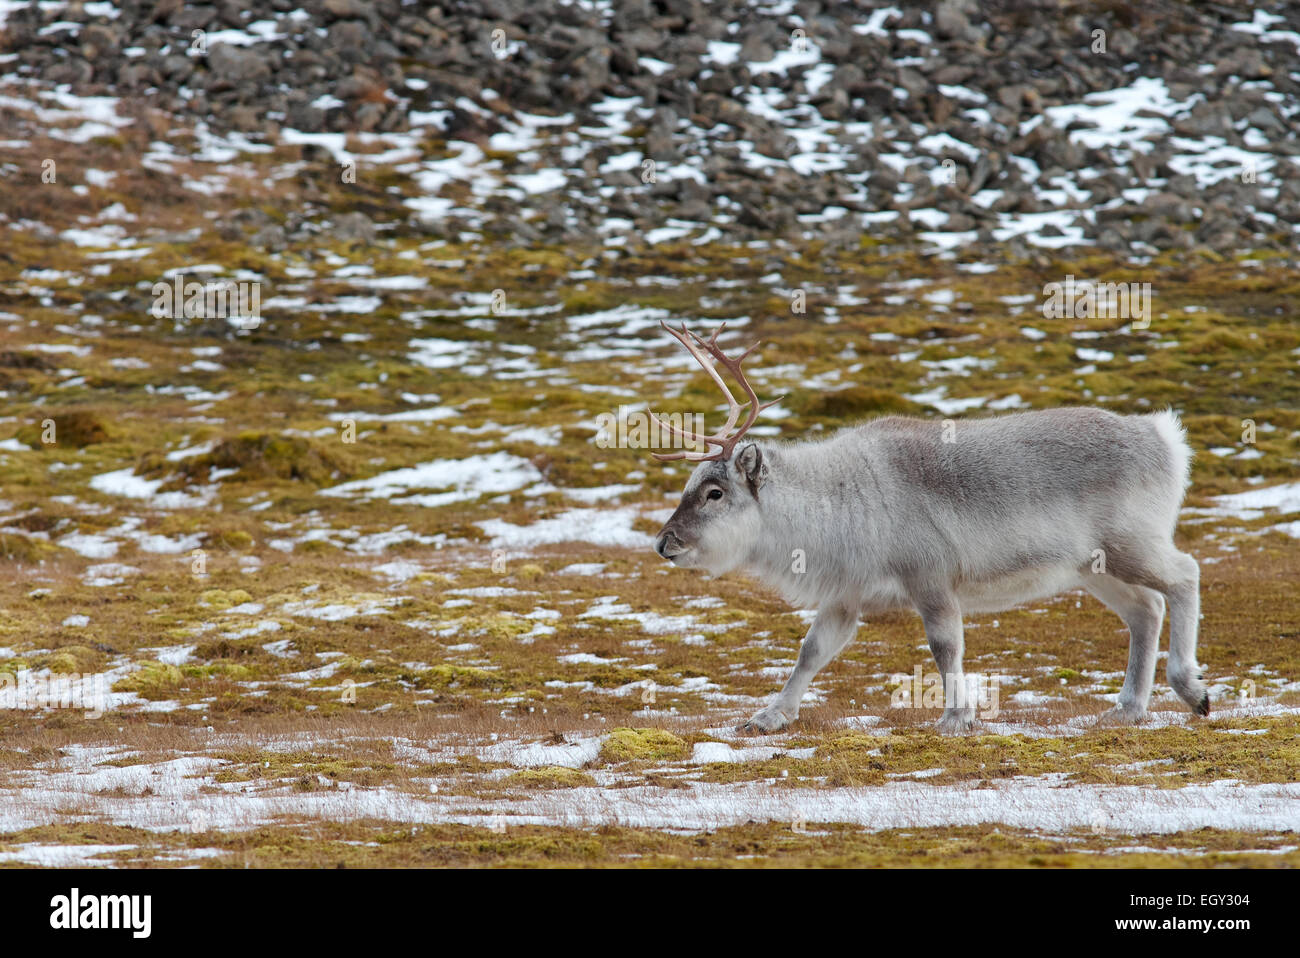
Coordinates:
[764,722]
[1119,715]
[958,722]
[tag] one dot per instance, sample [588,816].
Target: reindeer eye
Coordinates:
[715,493]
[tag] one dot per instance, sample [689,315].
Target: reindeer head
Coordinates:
[717,521]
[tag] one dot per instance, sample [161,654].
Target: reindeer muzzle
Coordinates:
[669,546]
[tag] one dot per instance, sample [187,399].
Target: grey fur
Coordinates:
[972,516]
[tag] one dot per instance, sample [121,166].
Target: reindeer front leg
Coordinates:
[943,628]
[830,632]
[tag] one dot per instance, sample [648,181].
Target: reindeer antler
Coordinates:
[724,438]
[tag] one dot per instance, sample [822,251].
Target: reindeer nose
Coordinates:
[668,546]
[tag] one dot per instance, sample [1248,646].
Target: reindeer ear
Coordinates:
[750,464]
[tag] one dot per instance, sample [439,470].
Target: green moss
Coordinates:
[316,546]
[306,769]
[153,680]
[74,658]
[259,456]
[457,676]
[234,540]
[551,776]
[850,743]
[642,744]
[61,663]
[501,626]
[74,429]
[222,599]
[855,402]
[24,549]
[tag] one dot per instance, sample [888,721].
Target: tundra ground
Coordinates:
[359,586]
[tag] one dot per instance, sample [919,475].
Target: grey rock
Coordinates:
[1245,62]
[952,20]
[1264,119]
[354,228]
[350,9]
[72,71]
[270,238]
[237,64]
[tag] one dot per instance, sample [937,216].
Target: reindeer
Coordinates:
[901,513]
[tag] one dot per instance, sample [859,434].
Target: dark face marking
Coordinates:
[708,491]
